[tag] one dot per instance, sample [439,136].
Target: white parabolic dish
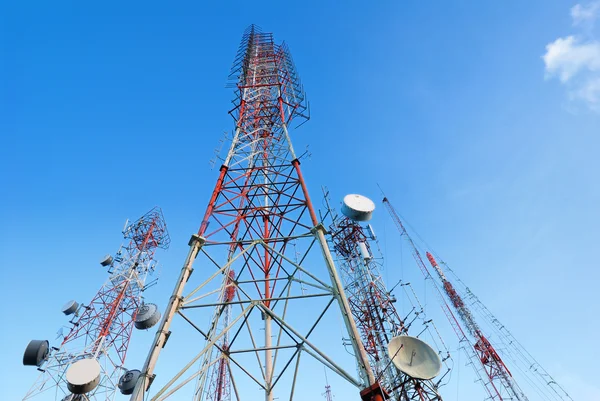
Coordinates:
[358,207]
[83,376]
[70,308]
[414,357]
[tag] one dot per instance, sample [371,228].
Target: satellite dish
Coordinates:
[83,376]
[36,352]
[70,308]
[147,316]
[414,357]
[128,380]
[106,260]
[358,207]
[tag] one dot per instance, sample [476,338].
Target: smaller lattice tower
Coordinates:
[488,358]
[372,304]
[327,394]
[219,371]
[88,365]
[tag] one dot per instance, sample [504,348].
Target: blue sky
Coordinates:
[479,119]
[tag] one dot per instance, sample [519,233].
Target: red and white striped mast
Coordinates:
[489,367]
[259,207]
[101,330]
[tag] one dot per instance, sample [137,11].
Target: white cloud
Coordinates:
[589,92]
[575,59]
[566,57]
[585,14]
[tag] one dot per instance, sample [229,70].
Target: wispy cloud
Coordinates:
[585,14]
[575,59]
[566,57]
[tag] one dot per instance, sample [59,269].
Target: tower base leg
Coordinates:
[372,393]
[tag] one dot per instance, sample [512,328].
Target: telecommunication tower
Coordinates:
[498,375]
[258,218]
[219,384]
[89,363]
[489,366]
[538,379]
[327,394]
[373,307]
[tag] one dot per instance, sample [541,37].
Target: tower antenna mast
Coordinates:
[88,365]
[488,365]
[258,209]
[378,321]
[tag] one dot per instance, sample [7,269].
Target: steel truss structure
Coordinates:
[538,379]
[489,367]
[373,309]
[493,366]
[259,223]
[102,329]
[219,370]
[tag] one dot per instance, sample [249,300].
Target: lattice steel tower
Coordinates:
[372,306]
[95,347]
[261,224]
[485,358]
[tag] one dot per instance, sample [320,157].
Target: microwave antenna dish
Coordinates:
[414,357]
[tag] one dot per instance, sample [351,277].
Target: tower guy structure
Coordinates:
[89,362]
[261,225]
[372,306]
[488,364]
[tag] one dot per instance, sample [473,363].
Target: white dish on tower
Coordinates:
[83,376]
[358,207]
[414,357]
[70,308]
[147,316]
[128,380]
[36,352]
[106,260]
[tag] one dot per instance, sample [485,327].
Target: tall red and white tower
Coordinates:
[261,224]
[485,357]
[89,362]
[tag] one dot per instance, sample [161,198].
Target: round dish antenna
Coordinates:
[147,316]
[358,207]
[70,308]
[106,260]
[128,380]
[83,376]
[36,352]
[414,357]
